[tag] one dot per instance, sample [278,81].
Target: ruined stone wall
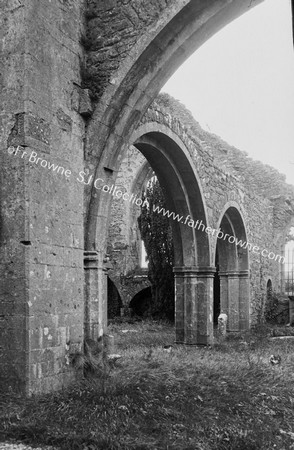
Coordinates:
[13,271]
[41,269]
[250,184]
[44,109]
[223,185]
[261,183]
[113,29]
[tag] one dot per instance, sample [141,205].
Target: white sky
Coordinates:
[240,85]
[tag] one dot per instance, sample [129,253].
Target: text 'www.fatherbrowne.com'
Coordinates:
[199,225]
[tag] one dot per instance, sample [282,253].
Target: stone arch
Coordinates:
[143,175]
[174,168]
[169,39]
[172,163]
[268,312]
[233,268]
[269,290]
[154,57]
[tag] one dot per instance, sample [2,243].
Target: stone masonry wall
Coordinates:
[41,270]
[13,271]
[48,57]
[113,30]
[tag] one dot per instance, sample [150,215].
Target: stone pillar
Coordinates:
[95,321]
[233,301]
[179,305]
[244,300]
[194,305]
[224,301]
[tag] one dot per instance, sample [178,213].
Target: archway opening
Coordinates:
[172,164]
[269,291]
[121,108]
[173,167]
[114,302]
[140,303]
[233,269]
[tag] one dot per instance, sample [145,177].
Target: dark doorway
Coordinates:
[269,291]
[140,303]
[216,291]
[114,303]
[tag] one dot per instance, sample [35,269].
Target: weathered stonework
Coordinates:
[41,270]
[225,174]
[76,79]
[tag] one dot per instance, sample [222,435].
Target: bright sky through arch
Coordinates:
[240,85]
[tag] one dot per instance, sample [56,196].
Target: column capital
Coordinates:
[234,273]
[223,274]
[91,259]
[188,271]
[244,273]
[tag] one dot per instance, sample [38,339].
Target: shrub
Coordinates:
[277,309]
[157,236]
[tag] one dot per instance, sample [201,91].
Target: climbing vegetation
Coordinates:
[156,234]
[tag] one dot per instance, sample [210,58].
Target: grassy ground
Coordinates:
[225,397]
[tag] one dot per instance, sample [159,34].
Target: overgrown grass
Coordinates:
[225,397]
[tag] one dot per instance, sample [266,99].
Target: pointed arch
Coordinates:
[233,268]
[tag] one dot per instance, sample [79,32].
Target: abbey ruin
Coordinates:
[80,110]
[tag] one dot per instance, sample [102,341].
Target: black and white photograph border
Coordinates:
[146,224]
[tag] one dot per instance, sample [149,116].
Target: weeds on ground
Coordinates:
[224,397]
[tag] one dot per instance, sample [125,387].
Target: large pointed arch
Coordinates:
[162,48]
[172,163]
[149,64]
[233,268]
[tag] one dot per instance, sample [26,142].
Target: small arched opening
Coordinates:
[114,302]
[269,291]
[140,303]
